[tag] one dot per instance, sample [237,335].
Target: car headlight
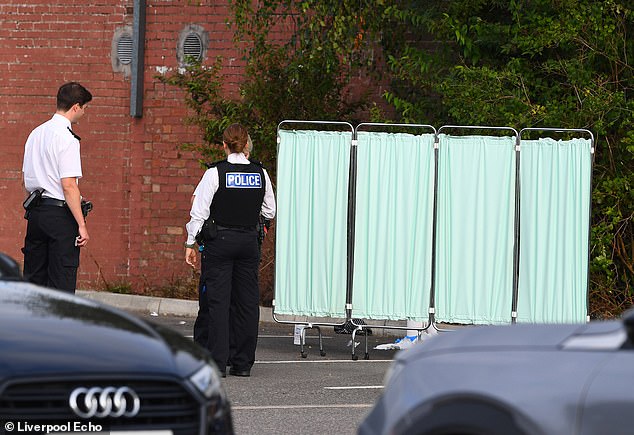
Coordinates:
[207,381]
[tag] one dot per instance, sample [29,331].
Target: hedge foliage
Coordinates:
[518,63]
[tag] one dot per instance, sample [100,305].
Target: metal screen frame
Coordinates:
[351,224]
[358,128]
[351,187]
[516,227]
[592,153]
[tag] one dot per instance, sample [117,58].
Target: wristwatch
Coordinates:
[190,245]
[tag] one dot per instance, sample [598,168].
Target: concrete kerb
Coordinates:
[157,305]
[179,307]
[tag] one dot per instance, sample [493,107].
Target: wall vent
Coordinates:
[192,44]
[193,47]
[124,49]
[121,50]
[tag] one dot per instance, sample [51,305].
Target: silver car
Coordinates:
[516,379]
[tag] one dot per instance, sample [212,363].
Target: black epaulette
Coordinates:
[214,164]
[73,133]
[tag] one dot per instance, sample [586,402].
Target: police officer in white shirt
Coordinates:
[56,227]
[231,196]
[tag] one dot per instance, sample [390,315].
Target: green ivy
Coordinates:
[303,77]
[542,63]
[538,63]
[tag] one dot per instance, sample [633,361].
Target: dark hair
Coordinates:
[235,136]
[70,94]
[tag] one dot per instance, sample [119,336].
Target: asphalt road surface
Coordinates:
[288,394]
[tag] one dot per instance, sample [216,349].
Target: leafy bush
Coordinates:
[542,63]
[536,64]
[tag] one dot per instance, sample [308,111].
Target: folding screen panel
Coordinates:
[387,217]
[475,229]
[393,225]
[555,179]
[311,223]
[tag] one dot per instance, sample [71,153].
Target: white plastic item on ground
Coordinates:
[399,343]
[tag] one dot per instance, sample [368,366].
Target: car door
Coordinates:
[609,403]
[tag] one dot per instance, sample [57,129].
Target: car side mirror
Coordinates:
[9,268]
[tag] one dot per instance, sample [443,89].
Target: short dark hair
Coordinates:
[70,94]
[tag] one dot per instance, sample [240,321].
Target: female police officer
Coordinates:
[229,199]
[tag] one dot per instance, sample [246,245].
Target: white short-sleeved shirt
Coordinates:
[206,189]
[51,153]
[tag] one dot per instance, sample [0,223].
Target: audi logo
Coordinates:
[104,402]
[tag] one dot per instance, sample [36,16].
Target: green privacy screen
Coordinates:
[555,212]
[475,229]
[311,227]
[475,224]
[393,226]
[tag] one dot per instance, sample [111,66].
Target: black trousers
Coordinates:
[51,258]
[229,282]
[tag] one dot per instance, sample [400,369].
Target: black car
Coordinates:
[68,363]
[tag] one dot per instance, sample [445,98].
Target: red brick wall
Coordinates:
[134,173]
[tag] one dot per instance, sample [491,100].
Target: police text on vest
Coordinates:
[243,180]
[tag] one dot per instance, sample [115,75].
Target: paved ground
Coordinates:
[287,393]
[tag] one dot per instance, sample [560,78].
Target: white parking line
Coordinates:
[358,387]
[343,405]
[327,361]
[290,336]
[279,336]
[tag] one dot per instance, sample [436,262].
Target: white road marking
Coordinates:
[343,405]
[325,361]
[323,337]
[358,387]
[280,336]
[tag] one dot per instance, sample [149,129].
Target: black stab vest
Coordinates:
[238,200]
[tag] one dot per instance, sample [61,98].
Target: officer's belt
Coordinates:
[53,201]
[221,227]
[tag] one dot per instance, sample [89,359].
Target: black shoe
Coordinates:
[243,373]
[223,374]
